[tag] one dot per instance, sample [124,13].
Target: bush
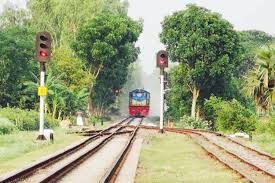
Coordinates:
[266,125]
[6,127]
[229,116]
[93,120]
[26,119]
[190,122]
[50,122]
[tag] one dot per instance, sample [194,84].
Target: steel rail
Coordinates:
[271,157]
[108,133]
[112,173]
[28,171]
[212,154]
[231,140]
[200,133]
[188,132]
[54,177]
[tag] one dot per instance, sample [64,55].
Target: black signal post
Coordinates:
[43,56]
[162,63]
[117,92]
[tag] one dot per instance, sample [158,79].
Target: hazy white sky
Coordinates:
[243,14]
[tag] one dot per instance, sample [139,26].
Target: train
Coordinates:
[139,103]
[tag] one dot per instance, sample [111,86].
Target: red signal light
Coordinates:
[43,47]
[43,54]
[162,61]
[117,92]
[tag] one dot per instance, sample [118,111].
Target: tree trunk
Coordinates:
[59,115]
[195,93]
[90,103]
[198,113]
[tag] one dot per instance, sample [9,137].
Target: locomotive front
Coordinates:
[139,103]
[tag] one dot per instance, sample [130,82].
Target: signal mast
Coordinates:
[43,56]
[162,63]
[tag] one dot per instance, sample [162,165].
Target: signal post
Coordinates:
[43,55]
[162,63]
[117,92]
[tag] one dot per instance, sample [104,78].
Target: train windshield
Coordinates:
[139,98]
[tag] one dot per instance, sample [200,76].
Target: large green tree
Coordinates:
[206,45]
[64,17]
[16,63]
[107,44]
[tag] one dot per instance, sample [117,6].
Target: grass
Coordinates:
[20,149]
[176,158]
[265,141]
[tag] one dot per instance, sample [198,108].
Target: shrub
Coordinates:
[190,122]
[26,119]
[266,125]
[6,127]
[94,120]
[50,122]
[230,115]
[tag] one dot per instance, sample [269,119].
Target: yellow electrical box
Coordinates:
[42,91]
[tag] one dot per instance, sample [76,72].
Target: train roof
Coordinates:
[139,90]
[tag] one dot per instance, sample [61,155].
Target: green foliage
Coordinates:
[266,125]
[72,70]
[16,53]
[207,48]
[26,120]
[70,79]
[251,41]
[107,44]
[6,127]
[229,115]
[260,81]
[94,120]
[178,99]
[64,17]
[190,122]
[202,41]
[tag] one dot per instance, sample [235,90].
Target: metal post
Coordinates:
[116,101]
[161,100]
[42,104]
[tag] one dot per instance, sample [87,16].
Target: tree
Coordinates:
[106,43]
[179,98]
[260,81]
[251,41]
[16,63]
[73,71]
[206,46]
[62,18]
[14,16]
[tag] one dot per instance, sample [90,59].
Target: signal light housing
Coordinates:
[43,47]
[117,91]
[162,59]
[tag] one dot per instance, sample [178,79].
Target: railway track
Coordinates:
[248,162]
[55,167]
[112,173]
[252,164]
